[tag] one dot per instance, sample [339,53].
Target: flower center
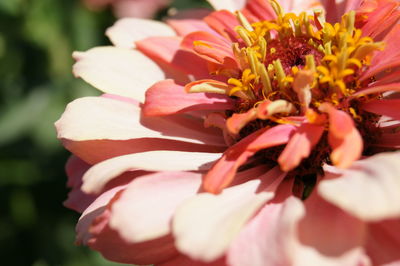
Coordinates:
[298,66]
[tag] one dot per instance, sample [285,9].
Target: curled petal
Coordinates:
[344,138]
[300,146]
[237,121]
[267,108]
[340,122]
[346,150]
[207,85]
[224,170]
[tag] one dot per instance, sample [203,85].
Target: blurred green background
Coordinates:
[37,38]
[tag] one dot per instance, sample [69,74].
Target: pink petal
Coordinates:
[346,150]
[185,261]
[145,209]
[125,32]
[389,108]
[118,71]
[257,10]
[390,140]
[223,172]
[166,51]
[231,5]
[216,217]
[383,242]
[385,78]
[300,146]
[75,168]
[100,174]
[191,20]
[377,89]
[388,58]
[329,230]
[283,234]
[208,46]
[77,200]
[95,209]
[384,11]
[335,9]
[369,189]
[166,97]
[223,22]
[109,243]
[268,239]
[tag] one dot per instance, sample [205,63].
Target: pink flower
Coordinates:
[130,8]
[259,137]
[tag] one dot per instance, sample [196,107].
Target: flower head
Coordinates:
[272,142]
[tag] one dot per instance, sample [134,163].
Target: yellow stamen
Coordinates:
[243,21]
[267,87]
[280,73]
[244,35]
[252,59]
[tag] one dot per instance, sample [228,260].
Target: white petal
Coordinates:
[120,71]
[125,32]
[205,225]
[231,5]
[369,190]
[95,118]
[98,175]
[145,209]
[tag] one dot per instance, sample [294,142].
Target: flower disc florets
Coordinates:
[296,69]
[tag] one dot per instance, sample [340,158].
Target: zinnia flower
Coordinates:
[130,8]
[271,142]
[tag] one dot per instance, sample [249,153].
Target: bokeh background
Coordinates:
[37,38]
